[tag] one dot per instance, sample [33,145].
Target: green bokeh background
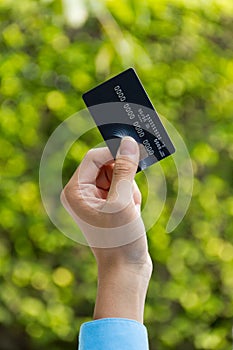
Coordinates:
[183,53]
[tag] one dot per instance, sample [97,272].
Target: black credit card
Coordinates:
[120,107]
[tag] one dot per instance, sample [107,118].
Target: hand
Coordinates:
[104,199]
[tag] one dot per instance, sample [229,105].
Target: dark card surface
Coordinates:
[120,107]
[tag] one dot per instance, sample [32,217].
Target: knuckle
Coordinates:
[139,195]
[63,198]
[90,154]
[123,167]
[65,194]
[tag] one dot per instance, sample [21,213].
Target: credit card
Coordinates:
[120,107]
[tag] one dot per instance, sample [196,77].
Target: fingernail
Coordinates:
[128,146]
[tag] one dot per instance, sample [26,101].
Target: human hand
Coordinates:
[104,199]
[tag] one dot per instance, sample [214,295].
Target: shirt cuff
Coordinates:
[113,334]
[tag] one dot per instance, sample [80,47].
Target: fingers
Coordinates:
[104,178]
[98,176]
[88,170]
[137,196]
[125,168]
[85,197]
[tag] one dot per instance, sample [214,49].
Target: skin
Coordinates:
[123,271]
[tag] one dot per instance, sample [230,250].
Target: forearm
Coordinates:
[121,293]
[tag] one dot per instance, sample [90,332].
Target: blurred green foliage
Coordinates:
[182,50]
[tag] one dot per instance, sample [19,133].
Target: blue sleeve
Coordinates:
[113,334]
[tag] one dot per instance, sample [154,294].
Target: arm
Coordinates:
[122,291]
[104,199]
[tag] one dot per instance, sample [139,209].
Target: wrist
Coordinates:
[135,274]
[127,278]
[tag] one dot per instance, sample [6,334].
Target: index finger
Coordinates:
[89,168]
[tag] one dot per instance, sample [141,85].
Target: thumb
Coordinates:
[125,168]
